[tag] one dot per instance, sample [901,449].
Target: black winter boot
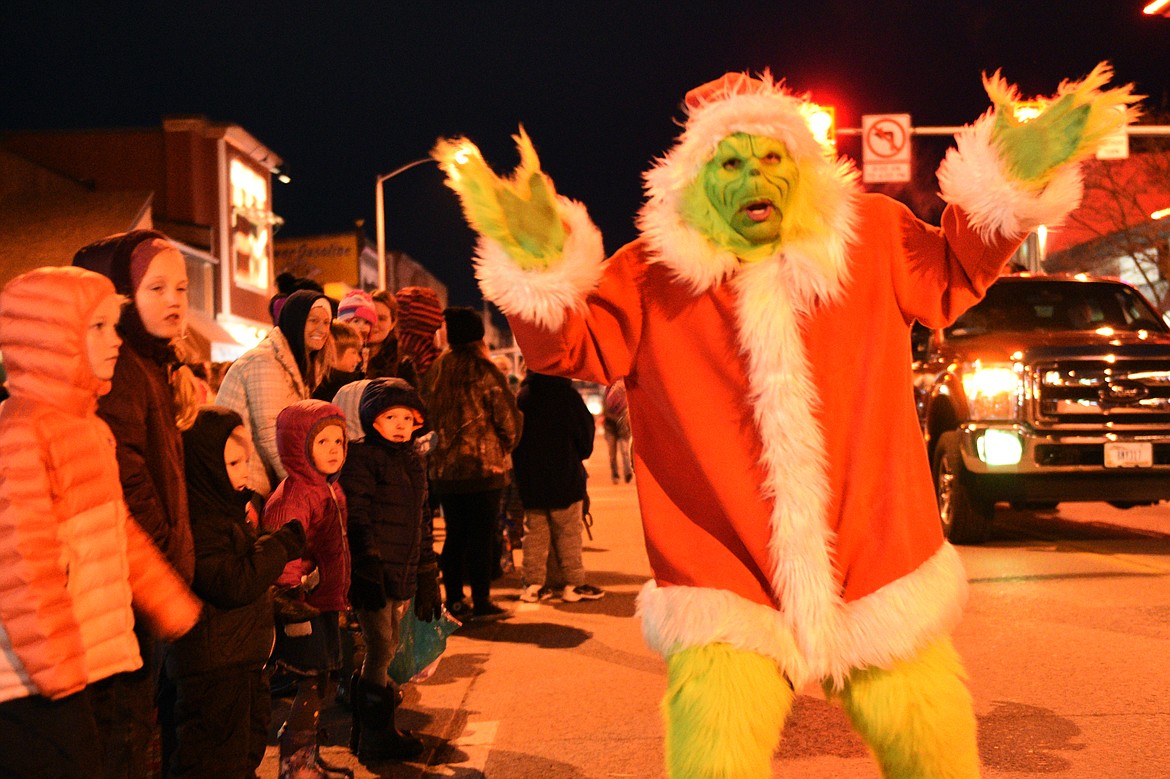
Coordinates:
[298,737]
[378,737]
[356,702]
[333,771]
[300,756]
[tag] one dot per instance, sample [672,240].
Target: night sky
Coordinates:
[345,91]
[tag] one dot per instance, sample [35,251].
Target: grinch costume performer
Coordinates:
[762,325]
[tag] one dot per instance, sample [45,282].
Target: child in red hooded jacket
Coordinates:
[311,442]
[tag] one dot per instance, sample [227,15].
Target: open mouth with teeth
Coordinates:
[758,210]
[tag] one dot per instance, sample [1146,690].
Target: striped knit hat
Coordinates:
[419,316]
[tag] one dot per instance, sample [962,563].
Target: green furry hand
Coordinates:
[534,223]
[519,212]
[1068,128]
[1034,148]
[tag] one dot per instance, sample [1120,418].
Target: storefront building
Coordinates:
[207,185]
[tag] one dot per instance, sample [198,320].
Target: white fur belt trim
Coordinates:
[888,625]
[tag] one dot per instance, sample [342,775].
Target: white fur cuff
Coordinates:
[545,296]
[975,178]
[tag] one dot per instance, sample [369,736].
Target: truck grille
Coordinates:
[1097,394]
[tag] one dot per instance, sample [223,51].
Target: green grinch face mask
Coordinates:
[746,186]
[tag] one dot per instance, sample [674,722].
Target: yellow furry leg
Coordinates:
[917,717]
[724,709]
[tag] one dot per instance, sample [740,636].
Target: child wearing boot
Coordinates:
[223,705]
[393,556]
[76,566]
[311,442]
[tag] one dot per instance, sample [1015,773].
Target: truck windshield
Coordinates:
[1028,306]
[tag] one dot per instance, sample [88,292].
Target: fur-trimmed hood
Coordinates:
[738,103]
[296,427]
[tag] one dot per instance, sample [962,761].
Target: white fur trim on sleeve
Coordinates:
[545,296]
[974,177]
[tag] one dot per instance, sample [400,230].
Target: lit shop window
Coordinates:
[252,225]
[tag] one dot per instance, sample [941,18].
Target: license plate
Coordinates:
[1129,454]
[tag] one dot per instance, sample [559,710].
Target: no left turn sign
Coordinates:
[885,148]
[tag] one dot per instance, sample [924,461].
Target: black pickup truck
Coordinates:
[1051,389]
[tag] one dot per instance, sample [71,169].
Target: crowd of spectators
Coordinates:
[229,489]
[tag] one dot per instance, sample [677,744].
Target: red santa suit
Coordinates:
[785,492]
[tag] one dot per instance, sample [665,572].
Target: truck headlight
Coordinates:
[992,389]
[999,447]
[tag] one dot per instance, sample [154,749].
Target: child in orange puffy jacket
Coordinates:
[72,561]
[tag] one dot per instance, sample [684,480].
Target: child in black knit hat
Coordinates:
[392,546]
[223,704]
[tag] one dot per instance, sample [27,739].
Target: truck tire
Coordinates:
[966,518]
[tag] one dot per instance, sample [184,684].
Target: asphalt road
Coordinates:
[1066,637]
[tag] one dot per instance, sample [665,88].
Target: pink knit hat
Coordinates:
[357,304]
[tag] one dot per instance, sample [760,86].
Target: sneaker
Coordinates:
[546,592]
[531,593]
[487,612]
[582,592]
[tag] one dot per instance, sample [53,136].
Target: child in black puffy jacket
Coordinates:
[390,539]
[223,702]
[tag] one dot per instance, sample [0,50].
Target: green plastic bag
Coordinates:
[420,645]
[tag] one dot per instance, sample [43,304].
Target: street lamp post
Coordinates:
[380,220]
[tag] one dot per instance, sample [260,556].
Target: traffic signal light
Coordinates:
[822,120]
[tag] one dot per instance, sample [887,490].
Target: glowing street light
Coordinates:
[1157,7]
[380,221]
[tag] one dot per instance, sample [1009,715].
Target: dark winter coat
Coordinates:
[558,436]
[386,488]
[141,413]
[234,565]
[333,381]
[140,410]
[470,450]
[387,363]
[318,502]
